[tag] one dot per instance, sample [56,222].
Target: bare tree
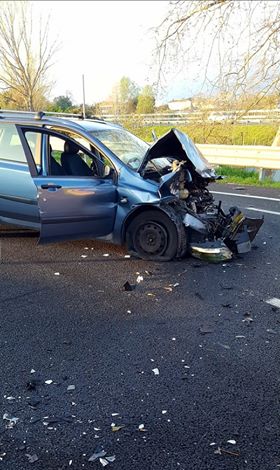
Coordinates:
[26,55]
[233,45]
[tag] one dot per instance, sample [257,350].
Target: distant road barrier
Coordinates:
[254,116]
[260,157]
[250,156]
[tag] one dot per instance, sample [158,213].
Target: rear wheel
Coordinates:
[152,235]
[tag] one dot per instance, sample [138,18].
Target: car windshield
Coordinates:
[126,146]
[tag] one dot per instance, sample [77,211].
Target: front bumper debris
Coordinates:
[213,252]
[235,238]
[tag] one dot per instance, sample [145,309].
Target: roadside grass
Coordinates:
[207,133]
[244,177]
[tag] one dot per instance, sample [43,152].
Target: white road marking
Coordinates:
[262,210]
[275,302]
[247,195]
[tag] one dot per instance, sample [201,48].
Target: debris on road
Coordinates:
[141,427]
[248,319]
[12,420]
[221,451]
[204,330]
[272,332]
[139,279]
[115,428]
[32,458]
[128,287]
[48,382]
[70,388]
[156,371]
[106,255]
[97,455]
[231,441]
[103,458]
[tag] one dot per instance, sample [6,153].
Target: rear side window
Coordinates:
[10,145]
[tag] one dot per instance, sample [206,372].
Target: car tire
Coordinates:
[152,236]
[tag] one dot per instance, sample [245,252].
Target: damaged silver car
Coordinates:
[87,178]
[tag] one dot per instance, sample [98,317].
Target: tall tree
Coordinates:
[26,55]
[234,45]
[128,95]
[146,101]
[62,103]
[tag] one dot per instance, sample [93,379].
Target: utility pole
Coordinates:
[84,99]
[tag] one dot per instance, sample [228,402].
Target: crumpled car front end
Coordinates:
[182,172]
[218,236]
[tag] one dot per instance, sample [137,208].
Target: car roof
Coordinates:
[65,120]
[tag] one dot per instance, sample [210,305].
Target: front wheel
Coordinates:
[152,236]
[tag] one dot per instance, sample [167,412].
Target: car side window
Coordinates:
[10,145]
[67,158]
[34,140]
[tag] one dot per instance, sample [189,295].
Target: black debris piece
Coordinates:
[33,383]
[33,402]
[197,294]
[128,287]
[227,305]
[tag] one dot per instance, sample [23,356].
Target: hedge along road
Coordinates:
[190,355]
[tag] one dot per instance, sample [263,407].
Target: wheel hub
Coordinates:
[151,238]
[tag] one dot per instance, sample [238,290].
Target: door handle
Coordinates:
[50,186]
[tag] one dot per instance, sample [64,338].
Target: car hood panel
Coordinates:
[176,144]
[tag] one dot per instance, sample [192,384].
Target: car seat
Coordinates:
[71,161]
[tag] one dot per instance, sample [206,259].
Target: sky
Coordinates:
[104,40]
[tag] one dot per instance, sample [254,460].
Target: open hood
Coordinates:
[177,145]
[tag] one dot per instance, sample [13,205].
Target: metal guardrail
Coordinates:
[246,156]
[176,118]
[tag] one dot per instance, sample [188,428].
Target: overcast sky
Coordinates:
[104,40]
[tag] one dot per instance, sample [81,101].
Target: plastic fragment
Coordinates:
[48,382]
[127,256]
[272,332]
[103,462]
[57,274]
[106,255]
[231,441]
[111,458]
[139,279]
[156,371]
[117,428]
[12,420]
[97,455]
[32,458]
[70,388]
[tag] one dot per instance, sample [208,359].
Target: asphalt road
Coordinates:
[206,329]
